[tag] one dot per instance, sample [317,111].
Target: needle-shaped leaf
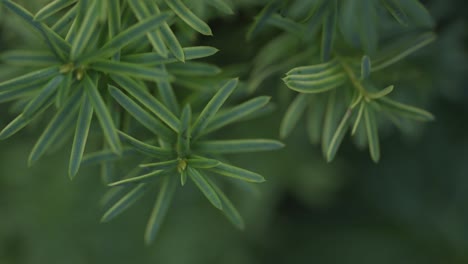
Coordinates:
[417,13]
[20,122]
[166,33]
[28,58]
[404,110]
[189,17]
[52,8]
[64,22]
[145,148]
[237,173]
[221,5]
[141,115]
[202,184]
[103,115]
[129,69]
[365,67]
[293,114]
[163,201]
[97,157]
[184,137]
[148,100]
[202,163]
[319,85]
[382,93]
[262,18]
[372,134]
[228,208]
[40,99]
[125,202]
[400,49]
[191,53]
[237,146]
[56,43]
[126,36]
[56,127]
[358,117]
[393,6]
[328,32]
[163,165]
[194,69]
[183,177]
[142,11]
[213,106]
[27,79]
[81,136]
[329,122]
[236,113]
[286,24]
[64,90]
[86,30]
[338,136]
[148,177]
[329,66]
[168,97]
[28,90]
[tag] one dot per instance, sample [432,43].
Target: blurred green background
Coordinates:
[412,207]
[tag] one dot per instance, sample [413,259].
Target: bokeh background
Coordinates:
[412,207]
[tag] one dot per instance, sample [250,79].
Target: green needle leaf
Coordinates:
[202,163]
[141,115]
[142,11]
[171,164]
[338,136]
[293,114]
[56,127]
[194,69]
[27,79]
[125,202]
[358,118]
[52,8]
[386,91]
[237,146]
[129,69]
[365,67]
[145,148]
[189,17]
[237,173]
[28,90]
[213,106]
[125,37]
[103,115]
[81,136]
[183,141]
[28,58]
[317,86]
[236,113]
[161,206]
[204,187]
[43,96]
[404,110]
[228,208]
[86,30]
[154,175]
[372,134]
[221,5]
[397,12]
[148,100]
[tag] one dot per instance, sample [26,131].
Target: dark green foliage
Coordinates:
[126,67]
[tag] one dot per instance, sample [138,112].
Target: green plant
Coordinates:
[129,64]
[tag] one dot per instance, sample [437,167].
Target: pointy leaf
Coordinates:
[237,146]
[52,8]
[27,79]
[202,184]
[237,173]
[338,136]
[202,163]
[129,69]
[148,100]
[81,136]
[40,99]
[148,177]
[141,115]
[293,114]
[213,106]
[163,201]
[404,110]
[103,115]
[125,202]
[372,134]
[236,113]
[189,17]
[145,148]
